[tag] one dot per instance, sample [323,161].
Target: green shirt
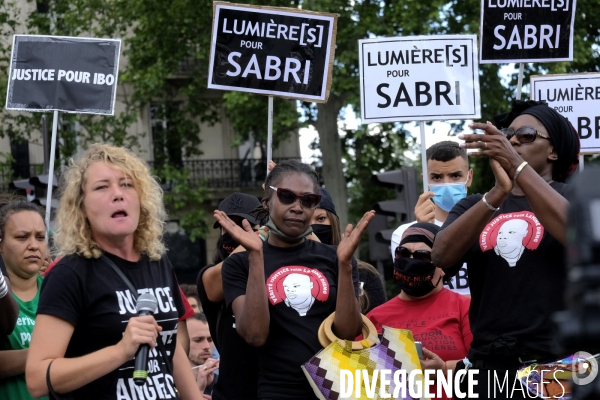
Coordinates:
[15,388]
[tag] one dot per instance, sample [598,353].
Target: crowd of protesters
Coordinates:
[281,266]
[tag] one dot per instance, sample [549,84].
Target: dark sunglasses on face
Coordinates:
[525,134]
[287,197]
[422,255]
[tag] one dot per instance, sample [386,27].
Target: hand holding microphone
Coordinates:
[140,336]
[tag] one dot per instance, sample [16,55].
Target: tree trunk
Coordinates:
[331,150]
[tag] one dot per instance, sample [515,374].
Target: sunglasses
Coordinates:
[287,197]
[525,134]
[422,255]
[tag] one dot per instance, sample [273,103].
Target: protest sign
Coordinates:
[281,52]
[69,74]
[419,78]
[526,30]
[577,97]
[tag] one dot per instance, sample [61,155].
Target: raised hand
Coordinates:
[503,181]
[206,373]
[47,262]
[425,210]
[431,361]
[139,330]
[492,144]
[351,238]
[246,237]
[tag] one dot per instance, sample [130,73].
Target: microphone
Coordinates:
[146,304]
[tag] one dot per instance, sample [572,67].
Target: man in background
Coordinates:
[201,350]
[448,178]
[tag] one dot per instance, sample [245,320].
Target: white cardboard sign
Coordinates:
[577,97]
[419,78]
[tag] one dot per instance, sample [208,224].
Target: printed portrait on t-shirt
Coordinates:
[297,287]
[509,235]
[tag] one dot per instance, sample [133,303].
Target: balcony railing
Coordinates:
[227,174]
[215,174]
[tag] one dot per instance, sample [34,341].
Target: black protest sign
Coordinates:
[272,51]
[68,74]
[526,30]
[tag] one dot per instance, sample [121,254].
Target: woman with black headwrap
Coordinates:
[512,239]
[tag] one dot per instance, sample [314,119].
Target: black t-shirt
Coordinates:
[238,372]
[517,275]
[88,294]
[301,285]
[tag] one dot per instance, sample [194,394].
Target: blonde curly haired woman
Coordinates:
[87,330]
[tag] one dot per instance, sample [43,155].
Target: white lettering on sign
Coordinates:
[272,70]
[272,51]
[526,30]
[554,5]
[528,39]
[419,78]
[296,33]
[62,75]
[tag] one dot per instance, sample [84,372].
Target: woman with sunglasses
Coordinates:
[437,317]
[282,289]
[512,238]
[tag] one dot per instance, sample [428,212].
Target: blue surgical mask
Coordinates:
[448,194]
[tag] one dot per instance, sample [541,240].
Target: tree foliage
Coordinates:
[166,52]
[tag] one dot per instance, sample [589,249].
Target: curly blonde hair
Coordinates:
[73,234]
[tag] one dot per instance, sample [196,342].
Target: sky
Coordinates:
[308,135]
[435,133]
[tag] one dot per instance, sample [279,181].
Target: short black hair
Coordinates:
[446,151]
[200,317]
[281,169]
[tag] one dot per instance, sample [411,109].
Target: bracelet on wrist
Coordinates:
[519,169]
[488,205]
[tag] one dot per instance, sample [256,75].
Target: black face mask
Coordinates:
[226,244]
[323,232]
[414,276]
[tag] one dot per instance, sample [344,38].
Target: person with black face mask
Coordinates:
[238,374]
[325,222]
[437,317]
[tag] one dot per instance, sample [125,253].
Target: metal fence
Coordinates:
[213,174]
[227,173]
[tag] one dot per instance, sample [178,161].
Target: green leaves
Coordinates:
[184,201]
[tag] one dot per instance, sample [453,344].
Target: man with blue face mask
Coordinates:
[449,177]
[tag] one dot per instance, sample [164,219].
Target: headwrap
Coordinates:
[563,135]
[421,232]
